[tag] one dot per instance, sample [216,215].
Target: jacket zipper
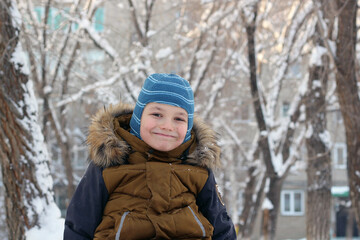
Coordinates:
[198,221]
[117,237]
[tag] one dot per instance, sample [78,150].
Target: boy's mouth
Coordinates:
[164,135]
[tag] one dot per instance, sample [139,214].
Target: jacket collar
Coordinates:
[109,139]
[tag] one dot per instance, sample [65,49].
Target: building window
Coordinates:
[95,57]
[39,13]
[339,155]
[55,153]
[285,109]
[57,21]
[294,71]
[292,203]
[240,201]
[98,20]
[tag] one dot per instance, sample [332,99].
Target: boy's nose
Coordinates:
[167,125]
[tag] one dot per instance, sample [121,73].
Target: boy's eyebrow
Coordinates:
[155,108]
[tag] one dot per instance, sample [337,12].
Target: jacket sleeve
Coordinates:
[214,210]
[85,210]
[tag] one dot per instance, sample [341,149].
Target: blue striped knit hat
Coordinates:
[168,89]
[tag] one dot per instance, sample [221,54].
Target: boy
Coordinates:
[150,175]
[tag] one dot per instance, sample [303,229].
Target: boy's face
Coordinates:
[163,127]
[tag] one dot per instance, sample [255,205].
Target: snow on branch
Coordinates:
[294,154]
[88,88]
[99,40]
[216,88]
[247,7]
[267,204]
[209,22]
[204,67]
[237,141]
[324,32]
[294,114]
[296,23]
[57,123]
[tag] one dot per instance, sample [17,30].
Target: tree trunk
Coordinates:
[273,195]
[347,91]
[265,224]
[63,141]
[318,207]
[23,155]
[350,224]
[250,208]
[275,182]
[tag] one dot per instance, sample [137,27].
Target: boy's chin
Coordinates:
[165,147]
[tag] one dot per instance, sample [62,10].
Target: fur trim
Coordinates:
[106,149]
[207,152]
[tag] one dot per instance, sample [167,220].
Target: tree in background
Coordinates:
[276,137]
[53,43]
[318,170]
[348,94]
[318,207]
[24,160]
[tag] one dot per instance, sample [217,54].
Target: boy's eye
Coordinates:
[156,114]
[180,119]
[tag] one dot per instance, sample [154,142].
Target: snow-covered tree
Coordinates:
[30,208]
[279,141]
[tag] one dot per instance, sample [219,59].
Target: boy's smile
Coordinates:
[163,127]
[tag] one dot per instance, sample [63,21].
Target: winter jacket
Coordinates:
[131,191]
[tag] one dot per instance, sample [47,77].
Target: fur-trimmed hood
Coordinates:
[106,149]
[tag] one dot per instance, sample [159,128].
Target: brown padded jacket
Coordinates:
[152,194]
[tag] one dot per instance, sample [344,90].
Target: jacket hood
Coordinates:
[106,149]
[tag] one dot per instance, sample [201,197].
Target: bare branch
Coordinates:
[237,141]
[148,8]
[141,34]
[88,88]
[298,21]
[322,29]
[206,65]
[64,46]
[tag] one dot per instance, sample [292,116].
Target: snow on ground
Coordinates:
[52,226]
